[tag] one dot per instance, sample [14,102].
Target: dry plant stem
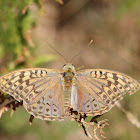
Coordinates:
[31,119]
[93,122]
[100,125]
[4,100]
[11,114]
[8,102]
[84,126]
[130,116]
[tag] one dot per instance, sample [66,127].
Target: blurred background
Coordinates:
[69,25]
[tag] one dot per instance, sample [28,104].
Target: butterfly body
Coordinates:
[47,93]
[68,74]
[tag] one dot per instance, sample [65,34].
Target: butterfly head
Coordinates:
[68,67]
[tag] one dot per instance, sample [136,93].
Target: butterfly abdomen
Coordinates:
[68,79]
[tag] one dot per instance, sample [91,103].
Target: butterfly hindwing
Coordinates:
[50,106]
[83,102]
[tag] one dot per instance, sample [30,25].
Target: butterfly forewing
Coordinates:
[100,89]
[38,88]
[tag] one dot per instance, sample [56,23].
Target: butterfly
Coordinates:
[48,93]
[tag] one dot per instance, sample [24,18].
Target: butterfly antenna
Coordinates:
[81,51]
[56,51]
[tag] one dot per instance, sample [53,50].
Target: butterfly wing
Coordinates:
[50,106]
[40,90]
[96,91]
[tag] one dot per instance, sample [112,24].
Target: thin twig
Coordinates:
[130,116]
